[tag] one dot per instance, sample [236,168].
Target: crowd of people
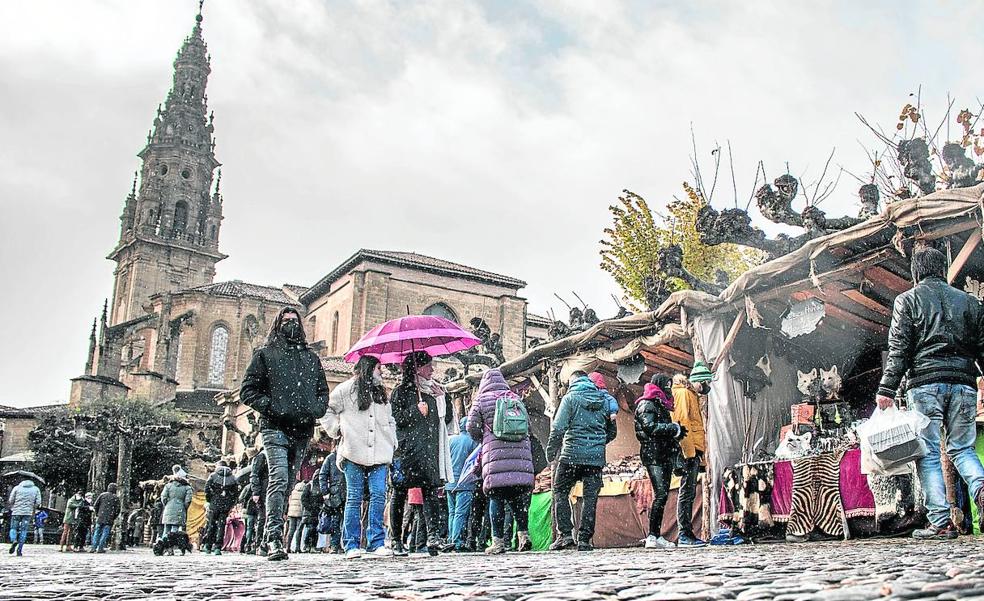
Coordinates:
[466,485]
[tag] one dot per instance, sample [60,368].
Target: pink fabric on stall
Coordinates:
[782,491]
[855,493]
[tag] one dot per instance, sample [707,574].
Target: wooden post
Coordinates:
[730,340]
[964,255]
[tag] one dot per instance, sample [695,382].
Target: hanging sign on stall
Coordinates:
[803,317]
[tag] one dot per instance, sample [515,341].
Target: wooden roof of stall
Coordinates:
[857,272]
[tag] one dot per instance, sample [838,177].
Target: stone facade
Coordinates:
[375,286]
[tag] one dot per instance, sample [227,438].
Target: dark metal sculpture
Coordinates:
[964,172]
[914,158]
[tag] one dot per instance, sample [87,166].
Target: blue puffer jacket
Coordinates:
[581,428]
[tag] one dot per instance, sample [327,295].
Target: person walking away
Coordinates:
[422,412]
[83,522]
[68,523]
[936,341]
[611,405]
[581,429]
[249,519]
[658,439]
[40,519]
[686,412]
[106,508]
[507,457]
[221,492]
[24,500]
[311,500]
[156,517]
[286,385]
[295,511]
[332,480]
[176,498]
[259,477]
[459,496]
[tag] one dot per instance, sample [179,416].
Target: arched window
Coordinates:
[441,310]
[180,216]
[217,355]
[334,333]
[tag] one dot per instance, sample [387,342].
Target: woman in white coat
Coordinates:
[359,413]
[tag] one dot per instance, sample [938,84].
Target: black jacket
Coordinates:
[311,500]
[246,501]
[286,385]
[656,432]
[935,337]
[221,489]
[259,477]
[418,436]
[331,483]
[106,507]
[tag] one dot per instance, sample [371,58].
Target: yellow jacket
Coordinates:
[686,412]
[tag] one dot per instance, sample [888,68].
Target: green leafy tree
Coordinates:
[630,250]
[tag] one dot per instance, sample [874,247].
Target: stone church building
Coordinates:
[171,334]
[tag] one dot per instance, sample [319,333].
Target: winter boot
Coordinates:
[277,552]
[498,546]
[564,542]
[525,544]
[980,509]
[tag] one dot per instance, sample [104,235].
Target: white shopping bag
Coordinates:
[890,440]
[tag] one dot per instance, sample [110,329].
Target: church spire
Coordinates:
[92,349]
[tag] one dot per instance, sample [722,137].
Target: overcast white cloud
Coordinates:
[491,133]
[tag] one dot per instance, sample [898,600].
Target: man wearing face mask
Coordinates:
[286,385]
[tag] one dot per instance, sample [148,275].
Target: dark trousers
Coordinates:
[215,535]
[334,517]
[687,493]
[431,513]
[81,536]
[478,523]
[659,476]
[284,457]
[517,499]
[568,475]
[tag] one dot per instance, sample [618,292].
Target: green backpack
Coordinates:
[511,422]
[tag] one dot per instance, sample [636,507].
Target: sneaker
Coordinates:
[276,551]
[381,552]
[932,532]
[217,552]
[398,549]
[689,540]
[980,510]
[354,553]
[562,543]
[585,547]
[658,542]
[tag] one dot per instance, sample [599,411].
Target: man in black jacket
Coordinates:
[221,493]
[936,341]
[106,508]
[286,385]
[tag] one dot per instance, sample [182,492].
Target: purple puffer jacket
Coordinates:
[504,463]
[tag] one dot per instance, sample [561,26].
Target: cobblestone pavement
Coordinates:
[838,571]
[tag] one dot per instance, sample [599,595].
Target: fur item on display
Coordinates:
[174,540]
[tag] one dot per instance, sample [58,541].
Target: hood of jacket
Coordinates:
[583,388]
[224,471]
[27,485]
[652,392]
[493,385]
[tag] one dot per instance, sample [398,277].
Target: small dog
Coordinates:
[174,540]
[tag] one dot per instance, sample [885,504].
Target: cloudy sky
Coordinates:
[491,133]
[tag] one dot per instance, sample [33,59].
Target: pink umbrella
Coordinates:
[392,341]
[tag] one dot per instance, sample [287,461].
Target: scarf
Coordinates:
[443,442]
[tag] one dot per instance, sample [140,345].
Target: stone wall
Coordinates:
[15,434]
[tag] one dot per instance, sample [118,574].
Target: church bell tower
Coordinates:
[169,229]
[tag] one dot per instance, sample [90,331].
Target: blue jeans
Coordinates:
[284,458]
[955,407]
[355,483]
[20,525]
[459,508]
[101,536]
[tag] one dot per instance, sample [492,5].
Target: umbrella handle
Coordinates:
[413,352]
